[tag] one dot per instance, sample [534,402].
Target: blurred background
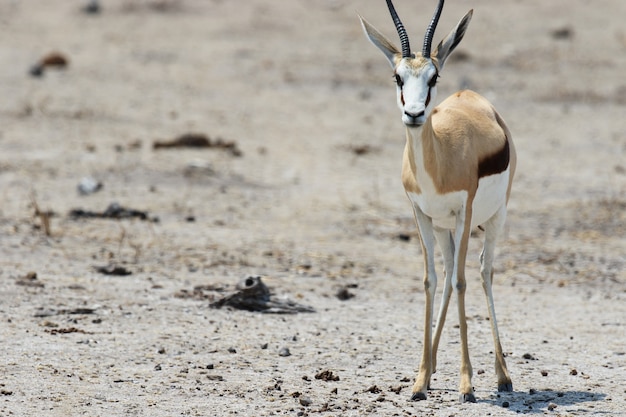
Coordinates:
[262,137]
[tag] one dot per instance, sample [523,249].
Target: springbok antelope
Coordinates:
[457,171]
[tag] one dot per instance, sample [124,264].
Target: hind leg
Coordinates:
[492,229]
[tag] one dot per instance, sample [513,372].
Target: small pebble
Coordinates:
[305,401]
[505,404]
[284,352]
[89,185]
[343,294]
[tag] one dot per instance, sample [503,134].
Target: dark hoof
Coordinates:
[506,387]
[418,396]
[468,398]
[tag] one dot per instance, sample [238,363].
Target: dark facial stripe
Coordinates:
[495,163]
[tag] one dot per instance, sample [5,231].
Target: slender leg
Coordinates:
[492,230]
[446,243]
[427,238]
[461,238]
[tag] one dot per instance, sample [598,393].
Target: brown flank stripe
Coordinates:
[495,163]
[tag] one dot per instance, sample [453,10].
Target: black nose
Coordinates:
[414,115]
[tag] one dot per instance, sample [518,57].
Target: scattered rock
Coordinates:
[552,407]
[327,375]
[563,33]
[113,269]
[113,211]
[573,372]
[198,140]
[343,294]
[284,352]
[52,60]
[396,389]
[529,357]
[47,312]
[360,150]
[544,372]
[29,280]
[88,185]
[92,7]
[405,237]
[505,404]
[65,330]
[373,389]
[80,310]
[305,401]
[252,294]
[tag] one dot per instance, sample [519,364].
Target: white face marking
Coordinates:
[416,91]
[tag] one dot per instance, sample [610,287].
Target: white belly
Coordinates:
[443,208]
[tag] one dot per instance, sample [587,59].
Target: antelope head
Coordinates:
[416,74]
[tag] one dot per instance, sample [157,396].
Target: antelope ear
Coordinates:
[447,45]
[380,41]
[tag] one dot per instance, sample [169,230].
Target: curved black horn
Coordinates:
[404,38]
[428,38]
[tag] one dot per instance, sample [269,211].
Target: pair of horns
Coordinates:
[404,38]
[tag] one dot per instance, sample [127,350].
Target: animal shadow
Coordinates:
[538,401]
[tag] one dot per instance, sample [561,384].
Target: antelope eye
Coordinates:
[399,80]
[433,80]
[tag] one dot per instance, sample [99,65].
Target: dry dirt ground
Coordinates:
[312,203]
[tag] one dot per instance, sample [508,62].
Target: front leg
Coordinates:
[427,239]
[461,239]
[446,243]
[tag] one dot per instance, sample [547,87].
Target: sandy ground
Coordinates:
[313,204]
